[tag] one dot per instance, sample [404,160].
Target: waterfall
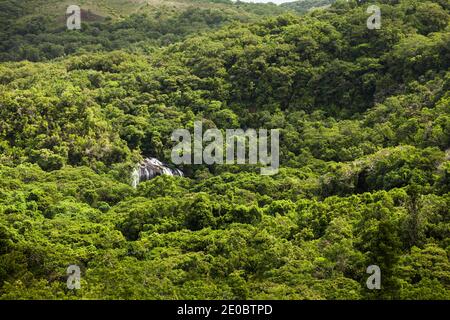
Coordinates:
[150,168]
[135,177]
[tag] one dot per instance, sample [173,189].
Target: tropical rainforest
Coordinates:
[364,178]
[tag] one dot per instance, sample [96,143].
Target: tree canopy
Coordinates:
[364,176]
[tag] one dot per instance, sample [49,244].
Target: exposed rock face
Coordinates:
[150,168]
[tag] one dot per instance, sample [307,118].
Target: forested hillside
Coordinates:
[364,176]
[35,30]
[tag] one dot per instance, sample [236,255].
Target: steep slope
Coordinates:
[364,179]
[306,5]
[123,8]
[36,30]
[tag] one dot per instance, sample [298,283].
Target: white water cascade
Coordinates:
[150,168]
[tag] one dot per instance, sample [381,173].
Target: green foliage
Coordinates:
[364,117]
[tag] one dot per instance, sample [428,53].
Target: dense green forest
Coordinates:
[364,175]
[27,35]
